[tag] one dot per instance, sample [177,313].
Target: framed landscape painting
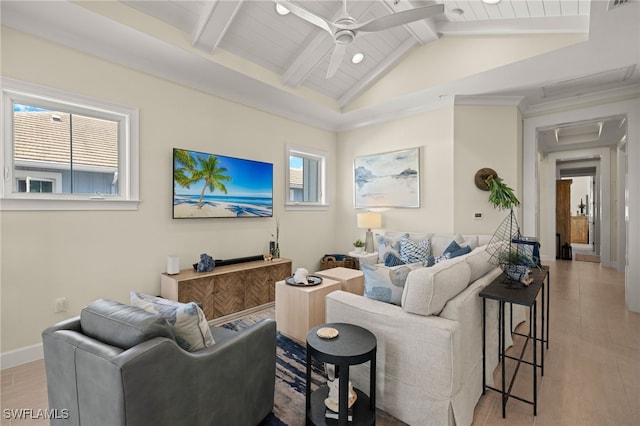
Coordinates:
[390,179]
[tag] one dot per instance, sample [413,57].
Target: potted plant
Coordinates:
[516,264]
[501,196]
[359,245]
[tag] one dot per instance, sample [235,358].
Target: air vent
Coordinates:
[616,3]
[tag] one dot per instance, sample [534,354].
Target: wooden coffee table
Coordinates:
[351,279]
[299,309]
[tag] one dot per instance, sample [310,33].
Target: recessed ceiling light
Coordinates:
[281,10]
[491,1]
[357,58]
[457,11]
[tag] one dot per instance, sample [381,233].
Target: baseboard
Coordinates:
[21,356]
[232,317]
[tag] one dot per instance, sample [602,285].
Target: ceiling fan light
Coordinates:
[281,10]
[345,36]
[357,58]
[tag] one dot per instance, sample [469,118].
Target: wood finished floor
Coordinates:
[592,367]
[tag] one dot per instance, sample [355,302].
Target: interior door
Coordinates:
[563,213]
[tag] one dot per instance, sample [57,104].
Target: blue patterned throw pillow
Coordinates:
[187,319]
[384,284]
[413,252]
[392,260]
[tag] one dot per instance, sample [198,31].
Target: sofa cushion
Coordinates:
[414,251]
[385,284]
[427,290]
[121,325]
[189,323]
[478,261]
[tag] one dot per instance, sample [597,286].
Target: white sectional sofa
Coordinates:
[429,369]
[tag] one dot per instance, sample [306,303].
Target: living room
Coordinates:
[86,255]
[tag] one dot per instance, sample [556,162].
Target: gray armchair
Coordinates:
[119,365]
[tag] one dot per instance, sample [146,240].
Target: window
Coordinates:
[306,178]
[67,152]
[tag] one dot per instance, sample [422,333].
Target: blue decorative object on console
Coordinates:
[206,263]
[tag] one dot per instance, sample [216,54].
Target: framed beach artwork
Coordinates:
[390,179]
[208,185]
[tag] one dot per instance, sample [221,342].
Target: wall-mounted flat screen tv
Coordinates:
[209,185]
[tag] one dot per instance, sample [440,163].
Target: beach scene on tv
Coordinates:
[207,185]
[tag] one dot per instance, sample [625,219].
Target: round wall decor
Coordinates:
[481,178]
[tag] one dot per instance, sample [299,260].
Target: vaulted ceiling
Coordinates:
[533,53]
[299,52]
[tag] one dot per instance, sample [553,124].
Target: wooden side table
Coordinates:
[353,345]
[351,279]
[300,308]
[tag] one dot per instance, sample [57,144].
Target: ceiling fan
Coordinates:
[345,29]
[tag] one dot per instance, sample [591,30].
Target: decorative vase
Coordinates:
[358,250]
[517,272]
[276,251]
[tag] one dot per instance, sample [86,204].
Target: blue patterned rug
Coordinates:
[290,377]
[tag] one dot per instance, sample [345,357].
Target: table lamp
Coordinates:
[369,220]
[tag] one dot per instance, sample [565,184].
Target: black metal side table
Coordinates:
[354,345]
[498,290]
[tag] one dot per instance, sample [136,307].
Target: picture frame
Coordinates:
[389,179]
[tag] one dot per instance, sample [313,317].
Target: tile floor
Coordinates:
[592,367]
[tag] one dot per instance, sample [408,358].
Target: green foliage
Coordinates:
[358,243]
[204,168]
[501,196]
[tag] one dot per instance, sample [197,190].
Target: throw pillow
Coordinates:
[412,252]
[461,251]
[452,247]
[384,284]
[392,260]
[432,260]
[388,245]
[189,323]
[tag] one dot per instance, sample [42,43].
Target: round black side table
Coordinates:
[354,345]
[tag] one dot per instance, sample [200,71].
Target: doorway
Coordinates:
[583,204]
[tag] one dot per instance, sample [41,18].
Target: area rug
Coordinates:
[291,364]
[588,257]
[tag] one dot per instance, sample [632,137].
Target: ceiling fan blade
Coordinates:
[307,16]
[336,59]
[400,18]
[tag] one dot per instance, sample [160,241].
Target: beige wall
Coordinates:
[432,132]
[88,255]
[484,136]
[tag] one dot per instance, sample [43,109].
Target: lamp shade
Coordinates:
[369,220]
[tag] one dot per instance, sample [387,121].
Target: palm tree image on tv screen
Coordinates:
[208,185]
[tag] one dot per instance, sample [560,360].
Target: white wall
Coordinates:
[580,188]
[90,255]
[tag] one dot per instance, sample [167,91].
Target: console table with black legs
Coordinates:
[353,345]
[527,296]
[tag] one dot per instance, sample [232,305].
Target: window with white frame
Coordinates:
[306,178]
[63,151]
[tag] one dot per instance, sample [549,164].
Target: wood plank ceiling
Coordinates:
[299,52]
